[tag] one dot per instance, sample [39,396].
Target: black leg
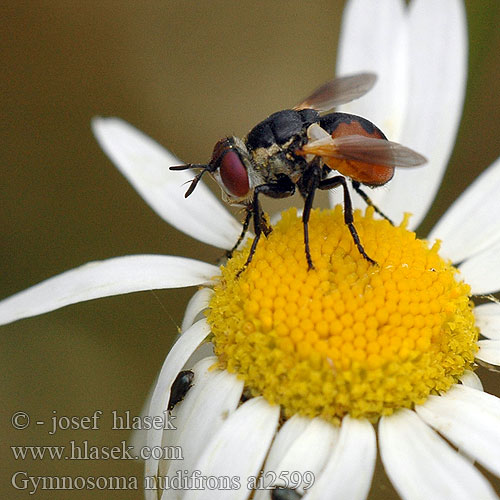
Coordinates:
[246,223]
[348,217]
[366,198]
[258,217]
[308,190]
[282,188]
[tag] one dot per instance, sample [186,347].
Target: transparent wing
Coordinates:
[365,149]
[338,91]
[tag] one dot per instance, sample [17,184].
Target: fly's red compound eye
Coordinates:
[234,174]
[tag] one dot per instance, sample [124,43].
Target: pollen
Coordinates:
[347,337]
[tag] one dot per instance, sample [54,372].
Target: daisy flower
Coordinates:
[310,365]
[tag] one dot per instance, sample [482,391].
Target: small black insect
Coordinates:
[182,383]
[280,493]
[298,148]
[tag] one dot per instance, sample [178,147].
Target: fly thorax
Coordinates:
[272,161]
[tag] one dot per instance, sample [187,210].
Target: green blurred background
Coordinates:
[186,73]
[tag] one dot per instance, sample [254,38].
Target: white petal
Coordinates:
[349,471]
[488,320]
[482,271]
[198,302]
[309,452]
[470,419]
[438,71]
[289,432]
[373,37]
[146,166]
[171,436]
[421,465]
[132,273]
[139,437]
[238,449]
[489,351]
[204,350]
[302,459]
[213,397]
[470,379]
[178,355]
[471,224]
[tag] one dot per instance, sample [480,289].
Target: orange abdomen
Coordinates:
[342,124]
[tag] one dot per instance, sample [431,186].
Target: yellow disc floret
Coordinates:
[346,337]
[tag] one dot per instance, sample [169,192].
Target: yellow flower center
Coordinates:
[347,337]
